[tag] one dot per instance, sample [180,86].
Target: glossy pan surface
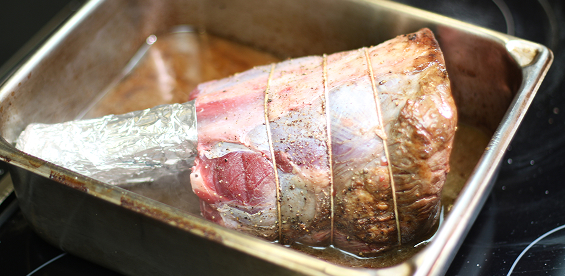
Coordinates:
[494,78]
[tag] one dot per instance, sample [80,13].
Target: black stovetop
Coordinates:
[520,230]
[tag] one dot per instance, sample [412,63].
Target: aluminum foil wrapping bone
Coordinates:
[135,147]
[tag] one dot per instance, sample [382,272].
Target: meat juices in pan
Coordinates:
[378,165]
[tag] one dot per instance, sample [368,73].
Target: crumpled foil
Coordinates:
[136,147]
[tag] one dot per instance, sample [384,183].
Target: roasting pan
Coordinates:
[494,79]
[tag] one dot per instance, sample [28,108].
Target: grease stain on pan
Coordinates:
[36,163]
[69,181]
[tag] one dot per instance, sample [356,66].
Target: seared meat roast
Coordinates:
[350,149]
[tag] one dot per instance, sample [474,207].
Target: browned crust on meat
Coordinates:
[423,140]
[419,144]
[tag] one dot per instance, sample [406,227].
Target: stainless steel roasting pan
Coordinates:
[494,78]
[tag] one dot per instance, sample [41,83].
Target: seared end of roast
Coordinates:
[420,120]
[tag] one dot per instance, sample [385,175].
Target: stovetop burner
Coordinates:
[521,228]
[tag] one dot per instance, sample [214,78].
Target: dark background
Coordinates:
[526,204]
[21,20]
